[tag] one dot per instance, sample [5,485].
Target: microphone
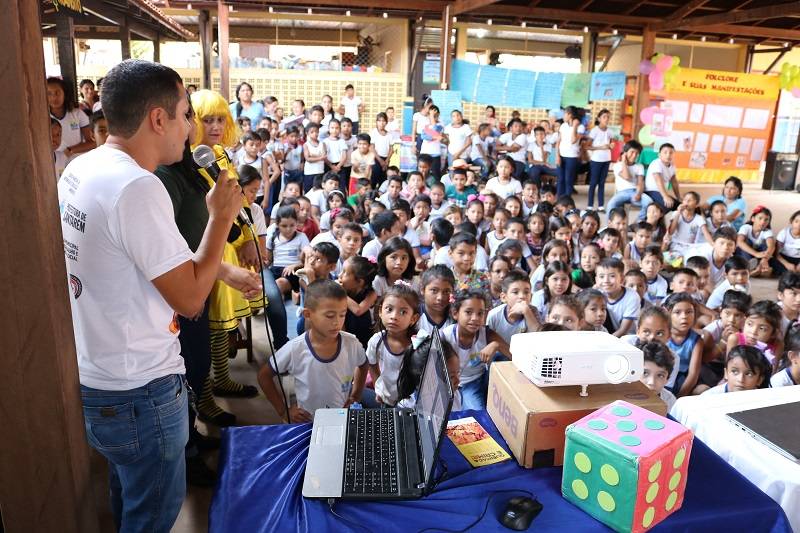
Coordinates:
[204,157]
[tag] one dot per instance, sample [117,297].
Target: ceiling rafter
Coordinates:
[732,17]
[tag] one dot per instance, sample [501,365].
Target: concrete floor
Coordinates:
[194,514]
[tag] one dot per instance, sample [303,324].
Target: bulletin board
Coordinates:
[719,122]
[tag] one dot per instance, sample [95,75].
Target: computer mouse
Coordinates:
[520,512]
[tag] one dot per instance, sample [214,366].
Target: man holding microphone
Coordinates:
[131,274]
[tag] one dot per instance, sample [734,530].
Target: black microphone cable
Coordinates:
[270,345]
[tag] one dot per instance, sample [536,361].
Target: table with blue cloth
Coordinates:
[261,472]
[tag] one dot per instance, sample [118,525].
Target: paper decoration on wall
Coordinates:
[608,86]
[464,78]
[520,85]
[626,466]
[491,85]
[548,90]
[576,90]
[646,135]
[447,102]
[790,79]
[660,70]
[662,123]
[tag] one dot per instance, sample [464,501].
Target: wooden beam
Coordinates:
[65,31]
[753,31]
[45,466]
[687,9]
[463,6]
[205,33]
[445,47]
[157,49]
[562,14]
[643,86]
[427,6]
[224,54]
[611,51]
[733,17]
[125,38]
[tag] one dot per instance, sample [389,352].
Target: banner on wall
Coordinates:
[491,85]
[719,123]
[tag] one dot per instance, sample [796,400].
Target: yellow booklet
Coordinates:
[474,442]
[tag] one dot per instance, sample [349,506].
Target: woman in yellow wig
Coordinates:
[217,129]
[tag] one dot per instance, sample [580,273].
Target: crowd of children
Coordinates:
[478,243]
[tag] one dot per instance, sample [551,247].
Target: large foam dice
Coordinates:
[626,466]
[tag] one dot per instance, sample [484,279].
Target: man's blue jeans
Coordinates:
[622,198]
[473,394]
[276,310]
[142,433]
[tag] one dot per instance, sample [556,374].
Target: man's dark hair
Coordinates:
[733,299]
[725,232]
[789,280]
[132,88]
[364,137]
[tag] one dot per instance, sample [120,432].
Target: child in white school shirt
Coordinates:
[323,361]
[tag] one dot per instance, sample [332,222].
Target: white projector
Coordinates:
[556,358]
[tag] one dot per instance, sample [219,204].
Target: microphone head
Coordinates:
[204,156]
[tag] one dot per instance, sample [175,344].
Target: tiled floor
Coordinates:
[194,514]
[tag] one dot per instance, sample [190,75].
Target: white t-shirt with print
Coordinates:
[320,384]
[335,149]
[472,367]
[600,138]
[316,167]
[474,153]
[382,143]
[686,231]
[119,234]
[71,124]
[565,147]
[351,107]
[520,140]
[752,239]
[389,363]
[457,137]
[625,307]
[790,245]
[634,171]
[658,167]
[498,321]
[503,190]
[285,252]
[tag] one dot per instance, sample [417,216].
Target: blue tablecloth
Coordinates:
[261,477]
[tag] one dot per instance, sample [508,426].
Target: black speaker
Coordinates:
[780,172]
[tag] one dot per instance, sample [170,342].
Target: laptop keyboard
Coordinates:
[370,464]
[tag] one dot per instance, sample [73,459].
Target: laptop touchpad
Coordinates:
[331,436]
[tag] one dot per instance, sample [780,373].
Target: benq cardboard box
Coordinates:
[533,419]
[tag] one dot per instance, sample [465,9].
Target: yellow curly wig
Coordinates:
[208,103]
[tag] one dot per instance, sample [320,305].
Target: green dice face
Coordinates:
[601,478]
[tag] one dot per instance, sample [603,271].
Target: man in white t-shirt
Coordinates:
[660,183]
[353,106]
[130,274]
[515,143]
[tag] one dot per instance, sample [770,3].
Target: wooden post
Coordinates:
[45,464]
[125,38]
[204,31]
[224,58]
[588,52]
[65,36]
[157,49]
[643,87]
[445,47]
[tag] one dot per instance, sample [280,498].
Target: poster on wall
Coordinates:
[430,71]
[719,123]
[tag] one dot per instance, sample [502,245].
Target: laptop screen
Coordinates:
[434,400]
